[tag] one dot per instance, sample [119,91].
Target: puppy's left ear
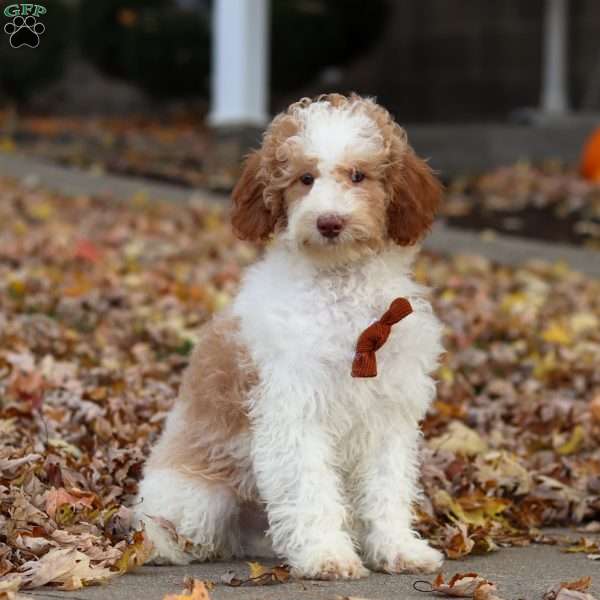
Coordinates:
[251,219]
[415,195]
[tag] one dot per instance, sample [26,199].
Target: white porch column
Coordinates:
[239,79]
[554,98]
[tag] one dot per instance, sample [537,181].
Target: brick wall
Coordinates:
[470,60]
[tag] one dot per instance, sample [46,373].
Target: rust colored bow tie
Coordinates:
[375,336]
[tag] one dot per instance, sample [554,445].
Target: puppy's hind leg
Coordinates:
[201,510]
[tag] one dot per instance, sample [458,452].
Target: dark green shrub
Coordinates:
[166,49]
[153,43]
[26,70]
[310,35]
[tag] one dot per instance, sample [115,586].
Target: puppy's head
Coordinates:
[336,179]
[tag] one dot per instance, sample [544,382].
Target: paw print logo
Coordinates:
[24,31]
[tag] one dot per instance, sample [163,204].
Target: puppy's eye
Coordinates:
[307,179]
[356,176]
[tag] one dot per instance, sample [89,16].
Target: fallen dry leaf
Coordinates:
[66,566]
[9,589]
[256,569]
[486,591]
[584,545]
[462,585]
[570,590]
[136,553]
[259,575]
[55,498]
[460,439]
[198,591]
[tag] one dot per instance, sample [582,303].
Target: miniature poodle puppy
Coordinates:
[269,419]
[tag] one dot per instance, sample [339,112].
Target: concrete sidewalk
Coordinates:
[500,248]
[511,250]
[517,572]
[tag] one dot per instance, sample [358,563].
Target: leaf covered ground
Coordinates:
[100,304]
[171,148]
[547,201]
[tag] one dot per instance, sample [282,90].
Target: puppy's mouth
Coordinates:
[320,241]
[357,241]
[315,241]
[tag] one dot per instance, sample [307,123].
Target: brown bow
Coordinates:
[375,336]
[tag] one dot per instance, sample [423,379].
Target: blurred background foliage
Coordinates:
[163,46]
[152,43]
[338,32]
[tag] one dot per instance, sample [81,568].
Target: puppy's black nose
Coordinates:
[330,225]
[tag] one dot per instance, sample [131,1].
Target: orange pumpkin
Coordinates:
[590,159]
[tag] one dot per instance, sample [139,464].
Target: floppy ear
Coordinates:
[250,217]
[415,196]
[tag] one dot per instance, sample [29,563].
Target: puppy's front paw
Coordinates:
[330,565]
[411,555]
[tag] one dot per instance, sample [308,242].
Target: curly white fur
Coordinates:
[329,450]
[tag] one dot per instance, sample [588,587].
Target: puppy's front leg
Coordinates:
[292,459]
[388,482]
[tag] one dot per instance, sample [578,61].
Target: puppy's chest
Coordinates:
[328,322]
[307,327]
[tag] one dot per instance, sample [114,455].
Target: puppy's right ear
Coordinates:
[250,217]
